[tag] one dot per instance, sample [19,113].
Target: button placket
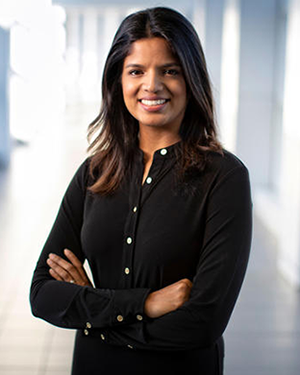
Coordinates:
[162,164]
[129,230]
[155,174]
[137,195]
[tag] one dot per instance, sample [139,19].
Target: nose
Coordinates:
[153,82]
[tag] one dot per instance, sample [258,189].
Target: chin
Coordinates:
[154,124]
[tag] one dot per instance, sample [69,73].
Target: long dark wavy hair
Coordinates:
[113,135]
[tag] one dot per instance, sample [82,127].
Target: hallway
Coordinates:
[263,337]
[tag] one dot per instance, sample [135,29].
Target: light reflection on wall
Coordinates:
[230,74]
[37,81]
[289,256]
[89,64]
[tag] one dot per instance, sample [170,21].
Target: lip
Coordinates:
[153,98]
[153,108]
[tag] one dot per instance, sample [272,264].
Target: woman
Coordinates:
[160,210]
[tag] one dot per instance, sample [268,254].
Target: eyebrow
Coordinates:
[168,65]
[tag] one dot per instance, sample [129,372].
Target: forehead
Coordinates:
[151,49]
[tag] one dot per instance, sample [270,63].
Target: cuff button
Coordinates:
[139,317]
[120,318]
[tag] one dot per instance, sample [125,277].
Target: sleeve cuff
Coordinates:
[129,305]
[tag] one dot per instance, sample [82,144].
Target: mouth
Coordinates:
[153,105]
[153,102]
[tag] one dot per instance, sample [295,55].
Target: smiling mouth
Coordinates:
[152,103]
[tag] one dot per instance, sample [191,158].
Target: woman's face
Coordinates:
[154,89]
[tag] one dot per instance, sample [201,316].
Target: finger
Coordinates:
[67,270]
[188,282]
[79,265]
[73,258]
[67,266]
[59,271]
[64,269]
[76,262]
[60,261]
[55,275]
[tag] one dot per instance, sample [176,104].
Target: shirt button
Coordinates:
[163,151]
[129,240]
[127,270]
[149,180]
[86,332]
[139,317]
[102,336]
[129,346]
[88,325]
[120,318]
[134,209]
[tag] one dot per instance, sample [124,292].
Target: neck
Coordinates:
[152,139]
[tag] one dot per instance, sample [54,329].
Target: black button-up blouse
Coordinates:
[143,238]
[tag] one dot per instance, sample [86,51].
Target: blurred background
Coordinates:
[51,59]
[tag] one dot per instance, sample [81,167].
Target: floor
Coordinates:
[263,337]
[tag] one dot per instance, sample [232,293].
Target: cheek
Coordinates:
[129,91]
[128,97]
[179,90]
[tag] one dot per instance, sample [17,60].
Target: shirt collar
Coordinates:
[163,153]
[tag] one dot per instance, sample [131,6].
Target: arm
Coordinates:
[221,269]
[70,305]
[220,273]
[157,303]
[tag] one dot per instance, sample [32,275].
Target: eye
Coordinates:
[135,72]
[171,72]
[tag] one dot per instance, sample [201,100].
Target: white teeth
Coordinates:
[153,102]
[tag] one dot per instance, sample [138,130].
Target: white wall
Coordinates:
[289,237]
[4,97]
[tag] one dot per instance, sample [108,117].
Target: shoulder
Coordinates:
[224,169]
[220,169]
[227,180]
[81,176]
[83,168]
[225,164]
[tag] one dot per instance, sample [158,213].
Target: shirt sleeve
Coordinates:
[220,272]
[69,305]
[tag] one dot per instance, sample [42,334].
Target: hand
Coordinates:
[72,272]
[168,299]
